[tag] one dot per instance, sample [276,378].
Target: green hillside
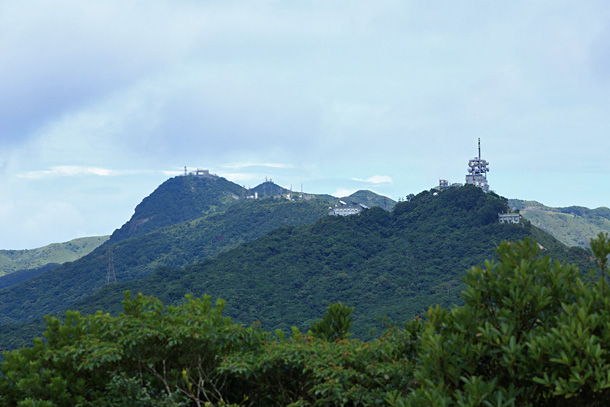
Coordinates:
[371,199]
[573,225]
[14,260]
[530,332]
[137,257]
[177,200]
[386,264]
[185,220]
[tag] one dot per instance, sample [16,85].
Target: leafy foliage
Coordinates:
[191,355]
[335,324]
[531,332]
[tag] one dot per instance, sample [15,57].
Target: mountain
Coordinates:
[371,199]
[386,264]
[57,253]
[268,188]
[185,220]
[177,200]
[572,225]
[201,234]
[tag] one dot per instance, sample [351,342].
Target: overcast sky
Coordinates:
[101,101]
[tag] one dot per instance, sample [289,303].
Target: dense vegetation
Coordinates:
[572,225]
[530,332]
[177,200]
[385,264]
[58,253]
[137,257]
[24,275]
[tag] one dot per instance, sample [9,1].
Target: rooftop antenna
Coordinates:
[110,274]
[479,148]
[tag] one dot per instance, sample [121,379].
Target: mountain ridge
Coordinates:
[58,253]
[217,219]
[386,264]
[573,225]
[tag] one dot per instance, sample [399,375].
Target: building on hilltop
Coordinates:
[344,209]
[200,172]
[443,184]
[477,171]
[511,217]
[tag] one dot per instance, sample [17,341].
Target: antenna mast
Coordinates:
[477,171]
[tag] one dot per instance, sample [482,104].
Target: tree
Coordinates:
[531,333]
[335,324]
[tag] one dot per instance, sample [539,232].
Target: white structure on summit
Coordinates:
[344,209]
[477,171]
[200,172]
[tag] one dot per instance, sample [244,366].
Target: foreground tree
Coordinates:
[150,355]
[531,333]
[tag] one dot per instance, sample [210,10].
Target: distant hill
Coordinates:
[58,253]
[177,200]
[268,188]
[386,264]
[254,254]
[572,225]
[185,220]
[371,199]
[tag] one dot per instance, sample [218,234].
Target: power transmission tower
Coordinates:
[110,274]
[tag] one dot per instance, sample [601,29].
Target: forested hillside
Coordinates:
[137,257]
[386,264]
[529,331]
[177,200]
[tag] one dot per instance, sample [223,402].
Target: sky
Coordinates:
[100,102]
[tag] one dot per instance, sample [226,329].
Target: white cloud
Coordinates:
[78,170]
[297,91]
[375,179]
[67,171]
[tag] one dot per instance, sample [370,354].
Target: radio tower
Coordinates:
[110,274]
[477,171]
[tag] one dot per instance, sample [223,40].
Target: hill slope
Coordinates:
[137,257]
[572,225]
[385,264]
[177,200]
[185,220]
[15,260]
